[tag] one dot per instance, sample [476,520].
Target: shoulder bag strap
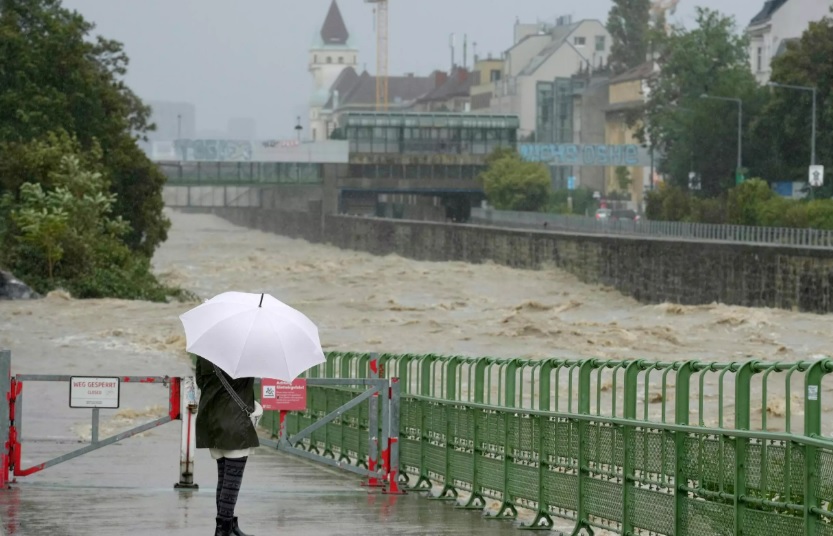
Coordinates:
[231,391]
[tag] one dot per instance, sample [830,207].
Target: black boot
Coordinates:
[224,527]
[235,529]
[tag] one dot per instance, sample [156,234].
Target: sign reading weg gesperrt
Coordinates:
[90,392]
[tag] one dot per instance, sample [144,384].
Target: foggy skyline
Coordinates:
[251,62]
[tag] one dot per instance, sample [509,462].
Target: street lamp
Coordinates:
[299,128]
[813,135]
[740,127]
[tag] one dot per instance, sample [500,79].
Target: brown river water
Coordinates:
[391,304]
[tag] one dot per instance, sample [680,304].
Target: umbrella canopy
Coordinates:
[253,336]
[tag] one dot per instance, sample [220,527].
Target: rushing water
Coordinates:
[392,304]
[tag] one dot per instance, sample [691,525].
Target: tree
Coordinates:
[623,178]
[66,234]
[629,24]
[43,223]
[511,183]
[692,133]
[56,78]
[783,132]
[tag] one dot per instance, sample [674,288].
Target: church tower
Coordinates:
[332,52]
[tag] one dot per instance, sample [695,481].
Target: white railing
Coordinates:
[817,238]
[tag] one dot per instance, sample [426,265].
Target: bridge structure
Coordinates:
[579,446]
[396,164]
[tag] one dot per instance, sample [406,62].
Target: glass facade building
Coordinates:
[230,173]
[555,119]
[419,133]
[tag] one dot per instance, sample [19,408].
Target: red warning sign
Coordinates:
[277,395]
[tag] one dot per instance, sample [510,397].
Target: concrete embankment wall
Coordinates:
[650,270]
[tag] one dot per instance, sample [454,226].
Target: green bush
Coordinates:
[61,232]
[583,202]
[746,201]
[675,205]
[707,210]
[750,203]
[513,184]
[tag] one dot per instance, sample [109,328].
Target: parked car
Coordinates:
[603,214]
[627,215]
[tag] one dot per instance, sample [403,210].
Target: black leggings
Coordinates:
[229,478]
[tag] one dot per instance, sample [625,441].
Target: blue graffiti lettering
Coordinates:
[616,153]
[213,150]
[571,152]
[631,155]
[566,154]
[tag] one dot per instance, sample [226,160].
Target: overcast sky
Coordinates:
[249,58]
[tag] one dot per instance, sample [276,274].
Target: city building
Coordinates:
[628,96]
[353,92]
[418,165]
[778,23]
[452,95]
[486,74]
[542,53]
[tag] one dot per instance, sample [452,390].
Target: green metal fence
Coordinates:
[633,447]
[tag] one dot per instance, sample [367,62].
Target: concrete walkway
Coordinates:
[127,488]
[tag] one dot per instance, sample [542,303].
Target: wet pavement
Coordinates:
[127,488]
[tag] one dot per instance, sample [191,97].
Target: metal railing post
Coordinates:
[188,445]
[5,414]
[373,426]
[743,380]
[585,370]
[681,417]
[629,412]
[812,428]
[392,458]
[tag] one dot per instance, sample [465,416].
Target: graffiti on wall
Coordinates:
[213,150]
[570,154]
[271,144]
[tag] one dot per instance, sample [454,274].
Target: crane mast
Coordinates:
[381,8]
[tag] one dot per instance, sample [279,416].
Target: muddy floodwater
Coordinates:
[392,304]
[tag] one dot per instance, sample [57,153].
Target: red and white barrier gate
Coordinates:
[95,393]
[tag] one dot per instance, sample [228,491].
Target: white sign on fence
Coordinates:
[816,178]
[90,392]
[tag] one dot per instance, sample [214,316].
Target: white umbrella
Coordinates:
[253,336]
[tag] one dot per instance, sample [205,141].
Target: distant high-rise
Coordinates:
[173,120]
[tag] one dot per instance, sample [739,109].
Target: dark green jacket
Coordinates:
[221,424]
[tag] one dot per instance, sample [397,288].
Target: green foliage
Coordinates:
[56,77]
[653,203]
[751,203]
[629,25]
[783,132]
[623,177]
[513,184]
[746,201]
[582,202]
[706,210]
[63,232]
[81,203]
[675,205]
[692,133]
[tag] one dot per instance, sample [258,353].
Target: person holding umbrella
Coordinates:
[239,337]
[226,429]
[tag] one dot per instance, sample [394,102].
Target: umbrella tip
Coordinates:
[261,301]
